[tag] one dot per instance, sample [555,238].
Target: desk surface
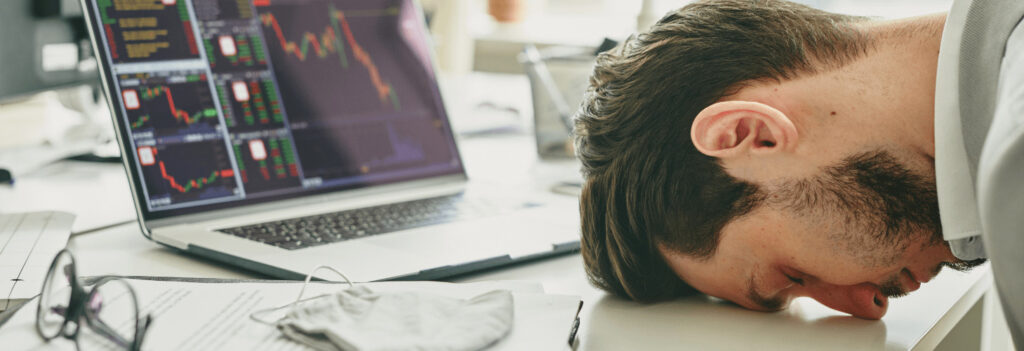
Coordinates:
[918,321]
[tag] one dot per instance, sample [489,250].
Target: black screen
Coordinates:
[229,102]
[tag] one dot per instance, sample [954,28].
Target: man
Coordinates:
[760,150]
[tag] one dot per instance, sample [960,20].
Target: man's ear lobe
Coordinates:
[736,128]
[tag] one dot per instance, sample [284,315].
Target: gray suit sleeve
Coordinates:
[1001,203]
[1000,186]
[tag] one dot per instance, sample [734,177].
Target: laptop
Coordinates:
[279,135]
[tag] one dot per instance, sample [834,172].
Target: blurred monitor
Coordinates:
[43,45]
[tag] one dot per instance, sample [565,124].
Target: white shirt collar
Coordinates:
[958,205]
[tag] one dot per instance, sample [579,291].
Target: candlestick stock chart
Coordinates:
[169,103]
[184,172]
[351,57]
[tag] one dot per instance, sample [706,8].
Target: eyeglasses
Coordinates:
[109,309]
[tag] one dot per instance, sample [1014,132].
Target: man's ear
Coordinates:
[737,128]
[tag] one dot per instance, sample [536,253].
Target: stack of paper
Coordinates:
[215,315]
[28,243]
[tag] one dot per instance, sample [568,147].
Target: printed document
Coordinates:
[215,316]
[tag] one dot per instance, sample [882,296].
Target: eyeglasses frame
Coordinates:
[77,308]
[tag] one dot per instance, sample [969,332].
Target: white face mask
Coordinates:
[358,318]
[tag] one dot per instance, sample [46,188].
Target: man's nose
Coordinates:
[862,300]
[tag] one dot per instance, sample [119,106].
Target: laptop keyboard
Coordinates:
[333,227]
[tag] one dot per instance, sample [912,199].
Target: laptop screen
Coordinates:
[223,103]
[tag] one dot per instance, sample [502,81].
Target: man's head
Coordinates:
[760,150]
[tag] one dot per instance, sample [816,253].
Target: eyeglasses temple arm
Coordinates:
[106,331]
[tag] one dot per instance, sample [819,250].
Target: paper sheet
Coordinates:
[215,316]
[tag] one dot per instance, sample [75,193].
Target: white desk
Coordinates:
[919,321]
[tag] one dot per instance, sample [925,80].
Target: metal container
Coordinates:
[558,78]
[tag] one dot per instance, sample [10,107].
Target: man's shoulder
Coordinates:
[970,72]
[987,27]
[1000,184]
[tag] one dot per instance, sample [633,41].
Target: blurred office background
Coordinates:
[488,37]
[47,69]
[494,44]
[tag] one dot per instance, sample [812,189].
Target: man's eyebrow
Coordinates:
[769,304]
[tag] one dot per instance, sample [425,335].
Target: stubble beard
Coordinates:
[883,208]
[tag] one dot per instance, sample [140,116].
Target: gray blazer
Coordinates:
[991,98]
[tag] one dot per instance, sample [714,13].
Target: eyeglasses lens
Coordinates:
[55,297]
[114,317]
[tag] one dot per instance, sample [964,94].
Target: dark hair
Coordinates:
[646,184]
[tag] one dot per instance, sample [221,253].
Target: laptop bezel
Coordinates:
[145,218]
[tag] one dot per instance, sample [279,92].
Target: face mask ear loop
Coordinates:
[258,315]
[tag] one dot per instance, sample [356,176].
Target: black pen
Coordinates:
[575,325]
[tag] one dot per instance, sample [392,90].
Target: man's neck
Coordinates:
[906,55]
